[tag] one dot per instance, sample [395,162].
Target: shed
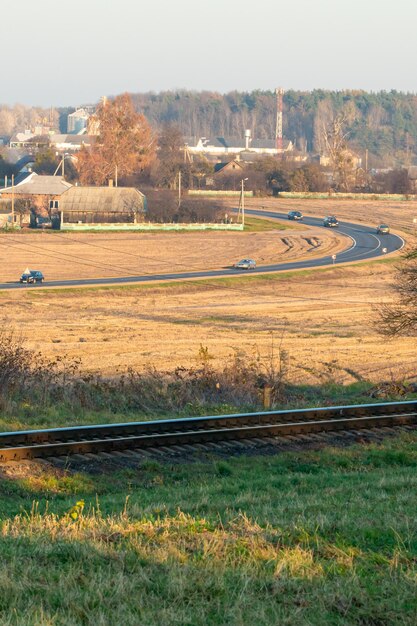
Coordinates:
[102,205]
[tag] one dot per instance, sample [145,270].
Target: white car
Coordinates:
[246,264]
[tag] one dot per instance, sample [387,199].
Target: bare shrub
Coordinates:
[15,361]
[25,376]
[163,207]
[400,318]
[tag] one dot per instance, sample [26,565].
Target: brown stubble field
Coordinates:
[322,319]
[63,256]
[398,214]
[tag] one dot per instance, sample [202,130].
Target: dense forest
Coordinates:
[383,123]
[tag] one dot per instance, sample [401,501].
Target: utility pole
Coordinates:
[12,200]
[115,176]
[242,200]
[179,189]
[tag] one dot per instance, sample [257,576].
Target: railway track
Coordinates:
[58,442]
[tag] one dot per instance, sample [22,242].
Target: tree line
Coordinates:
[384,123]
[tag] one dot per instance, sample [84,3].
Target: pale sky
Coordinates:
[69,53]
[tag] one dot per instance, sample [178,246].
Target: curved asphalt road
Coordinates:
[366,244]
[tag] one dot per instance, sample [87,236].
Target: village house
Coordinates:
[34,198]
[52,201]
[101,208]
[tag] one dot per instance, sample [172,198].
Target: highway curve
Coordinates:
[365,245]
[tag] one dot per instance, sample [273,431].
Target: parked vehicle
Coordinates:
[246,264]
[32,276]
[295,215]
[330,221]
[382,229]
[43,222]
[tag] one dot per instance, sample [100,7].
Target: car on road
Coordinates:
[330,221]
[246,264]
[295,215]
[32,276]
[383,229]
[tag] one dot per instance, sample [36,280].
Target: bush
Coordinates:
[26,377]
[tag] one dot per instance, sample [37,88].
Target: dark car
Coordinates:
[43,222]
[246,264]
[295,215]
[383,229]
[32,276]
[330,221]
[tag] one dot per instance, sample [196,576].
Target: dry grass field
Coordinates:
[90,255]
[322,319]
[399,215]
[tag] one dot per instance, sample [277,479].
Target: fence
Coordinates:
[215,192]
[148,226]
[300,195]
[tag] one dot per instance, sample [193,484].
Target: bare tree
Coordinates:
[334,139]
[400,318]
[170,157]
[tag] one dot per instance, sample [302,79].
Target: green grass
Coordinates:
[313,538]
[257,225]
[27,415]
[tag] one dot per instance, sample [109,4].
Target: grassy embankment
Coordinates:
[256,225]
[323,537]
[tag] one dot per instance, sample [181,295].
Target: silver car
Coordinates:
[246,264]
[382,229]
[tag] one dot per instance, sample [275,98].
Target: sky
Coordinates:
[68,54]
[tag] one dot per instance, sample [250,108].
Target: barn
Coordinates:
[101,208]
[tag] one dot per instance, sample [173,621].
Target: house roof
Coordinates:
[39,185]
[106,199]
[79,113]
[76,140]
[35,138]
[232,165]
[236,142]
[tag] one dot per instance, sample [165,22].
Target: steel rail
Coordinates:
[132,435]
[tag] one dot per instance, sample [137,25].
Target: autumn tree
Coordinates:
[125,144]
[317,181]
[393,181]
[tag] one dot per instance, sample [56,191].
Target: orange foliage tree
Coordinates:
[125,144]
